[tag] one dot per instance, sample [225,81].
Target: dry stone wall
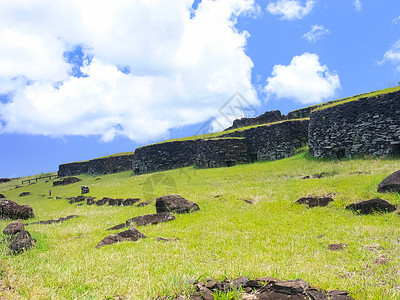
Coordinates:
[369,126]
[265,118]
[73,169]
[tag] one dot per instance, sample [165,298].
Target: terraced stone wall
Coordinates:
[73,169]
[369,126]
[109,165]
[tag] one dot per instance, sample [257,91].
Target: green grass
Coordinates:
[226,238]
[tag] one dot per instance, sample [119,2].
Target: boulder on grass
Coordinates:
[11,210]
[150,219]
[21,242]
[84,189]
[390,183]
[130,201]
[14,228]
[132,234]
[175,204]
[372,206]
[23,194]
[65,181]
[2,196]
[315,201]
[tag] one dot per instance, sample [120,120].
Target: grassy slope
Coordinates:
[227,237]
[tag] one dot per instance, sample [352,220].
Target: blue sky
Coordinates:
[83,79]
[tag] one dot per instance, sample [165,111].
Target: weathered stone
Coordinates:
[66,181]
[211,283]
[58,220]
[115,202]
[14,228]
[240,282]
[11,210]
[84,189]
[162,239]
[130,201]
[390,183]
[290,287]
[24,194]
[175,204]
[117,227]
[2,196]
[4,180]
[142,204]
[336,247]
[316,295]
[77,199]
[265,118]
[90,201]
[21,242]
[132,234]
[150,219]
[315,201]
[372,206]
[103,201]
[272,295]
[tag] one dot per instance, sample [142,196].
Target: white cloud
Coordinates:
[316,33]
[392,55]
[396,20]
[183,69]
[290,9]
[304,80]
[357,4]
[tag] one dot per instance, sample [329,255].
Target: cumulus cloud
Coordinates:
[304,79]
[392,55]
[396,20]
[316,33]
[146,66]
[357,4]
[290,9]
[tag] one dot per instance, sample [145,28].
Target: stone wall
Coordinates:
[112,164]
[265,118]
[164,156]
[224,152]
[275,141]
[73,169]
[369,126]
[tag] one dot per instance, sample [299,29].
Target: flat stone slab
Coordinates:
[151,219]
[12,210]
[175,204]
[372,206]
[390,183]
[315,201]
[132,235]
[58,220]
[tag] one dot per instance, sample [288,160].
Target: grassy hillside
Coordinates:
[226,238]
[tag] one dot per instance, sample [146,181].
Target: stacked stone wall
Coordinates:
[73,169]
[265,118]
[368,126]
[112,164]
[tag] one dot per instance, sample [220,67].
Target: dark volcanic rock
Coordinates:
[175,204]
[130,201]
[11,210]
[2,196]
[14,228]
[371,206]
[150,219]
[58,220]
[84,189]
[142,204]
[315,201]
[132,234]
[115,202]
[265,118]
[21,242]
[24,194]
[103,201]
[117,227]
[72,200]
[4,180]
[390,183]
[290,287]
[65,181]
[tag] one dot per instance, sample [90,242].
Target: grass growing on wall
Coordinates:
[226,238]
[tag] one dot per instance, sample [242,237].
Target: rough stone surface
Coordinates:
[315,201]
[132,234]
[4,180]
[265,118]
[175,204]
[150,219]
[118,227]
[143,204]
[369,126]
[390,183]
[130,201]
[73,169]
[58,220]
[66,181]
[14,228]
[12,210]
[23,194]
[84,189]
[72,200]
[372,206]
[21,242]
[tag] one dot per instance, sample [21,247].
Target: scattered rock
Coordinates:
[290,287]
[320,236]
[315,201]
[14,228]
[150,219]
[372,206]
[115,202]
[21,242]
[132,234]
[390,183]
[248,201]
[72,200]
[142,204]
[373,248]
[2,196]
[4,180]
[24,194]
[90,201]
[103,201]
[97,179]
[336,247]
[175,204]
[217,196]
[130,201]
[117,227]
[12,210]
[316,176]
[58,198]
[65,181]
[161,239]
[58,220]
[84,189]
